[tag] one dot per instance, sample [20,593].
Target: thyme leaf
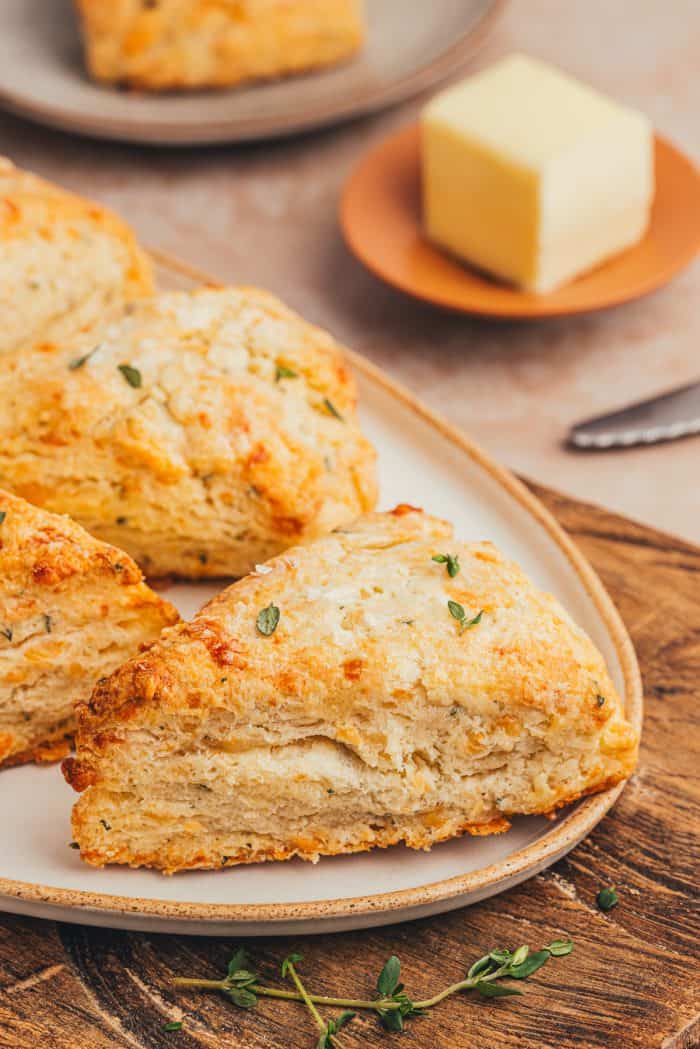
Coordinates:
[131,374]
[452,562]
[457,612]
[281,372]
[78,362]
[267,620]
[332,410]
[607,899]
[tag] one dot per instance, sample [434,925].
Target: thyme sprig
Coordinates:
[392,1006]
[457,612]
[329,1029]
[451,561]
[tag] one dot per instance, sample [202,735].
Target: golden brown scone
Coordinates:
[370,715]
[66,264]
[205,433]
[72,609]
[166,44]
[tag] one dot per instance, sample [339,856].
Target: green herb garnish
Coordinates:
[332,410]
[268,619]
[529,964]
[457,612]
[560,948]
[3,515]
[131,374]
[452,562]
[392,1006]
[607,899]
[281,372]
[174,1025]
[328,1029]
[78,362]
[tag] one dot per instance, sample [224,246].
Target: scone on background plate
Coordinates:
[206,432]
[71,610]
[66,264]
[353,692]
[196,43]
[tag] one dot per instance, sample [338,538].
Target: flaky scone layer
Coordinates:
[205,432]
[67,265]
[196,43]
[72,609]
[370,715]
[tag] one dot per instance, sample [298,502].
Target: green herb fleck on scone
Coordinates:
[281,372]
[452,562]
[267,620]
[457,612]
[131,374]
[332,410]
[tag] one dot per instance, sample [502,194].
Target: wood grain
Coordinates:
[630,982]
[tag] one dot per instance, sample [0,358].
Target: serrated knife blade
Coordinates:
[663,418]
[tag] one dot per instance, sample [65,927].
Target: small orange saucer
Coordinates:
[381,221]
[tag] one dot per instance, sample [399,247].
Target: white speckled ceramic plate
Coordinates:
[422,460]
[410,47]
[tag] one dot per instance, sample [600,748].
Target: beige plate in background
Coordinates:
[424,461]
[410,47]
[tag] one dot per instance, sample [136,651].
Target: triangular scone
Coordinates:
[72,609]
[67,265]
[166,45]
[370,714]
[205,433]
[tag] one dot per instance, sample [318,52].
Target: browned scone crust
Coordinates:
[204,433]
[171,44]
[67,265]
[71,609]
[366,718]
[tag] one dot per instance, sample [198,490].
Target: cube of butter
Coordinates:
[532,176]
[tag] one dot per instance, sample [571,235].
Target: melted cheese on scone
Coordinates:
[203,433]
[67,265]
[210,43]
[373,712]
[72,609]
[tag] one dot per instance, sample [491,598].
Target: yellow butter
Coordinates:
[532,176]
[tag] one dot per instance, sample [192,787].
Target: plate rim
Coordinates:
[564,835]
[218,132]
[537,308]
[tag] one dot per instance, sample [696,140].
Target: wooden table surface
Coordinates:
[631,982]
